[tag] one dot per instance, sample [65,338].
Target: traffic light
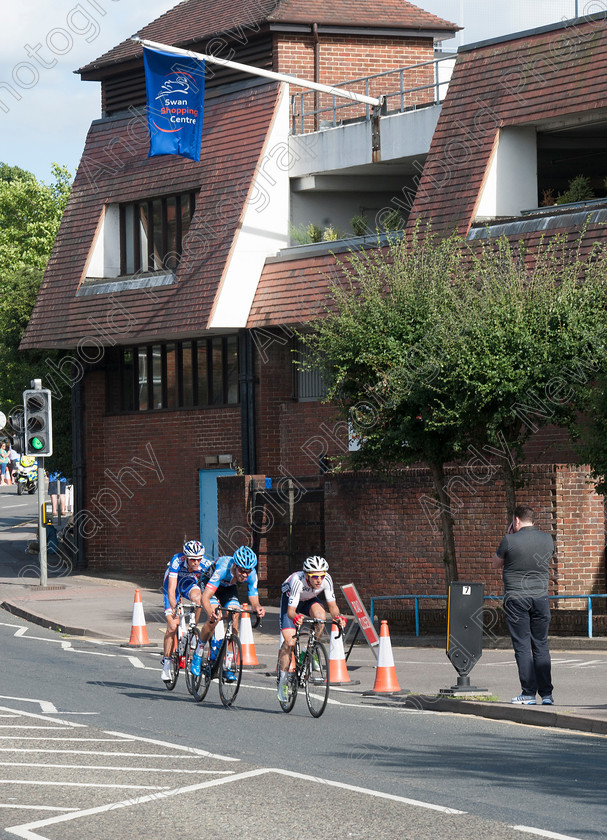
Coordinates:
[38,421]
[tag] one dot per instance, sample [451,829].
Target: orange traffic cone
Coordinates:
[385,675]
[249,657]
[139,633]
[338,670]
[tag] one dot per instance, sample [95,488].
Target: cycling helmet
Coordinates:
[193,548]
[245,557]
[315,564]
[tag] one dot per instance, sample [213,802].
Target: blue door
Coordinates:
[209,526]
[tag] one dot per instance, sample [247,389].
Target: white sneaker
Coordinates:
[166,671]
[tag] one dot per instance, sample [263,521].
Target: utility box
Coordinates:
[465,630]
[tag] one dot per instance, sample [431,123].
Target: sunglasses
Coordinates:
[319,576]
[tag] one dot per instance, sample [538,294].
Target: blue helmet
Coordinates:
[193,548]
[245,557]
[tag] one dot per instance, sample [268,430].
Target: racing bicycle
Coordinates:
[187,639]
[311,670]
[226,667]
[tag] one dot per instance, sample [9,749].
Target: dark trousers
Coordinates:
[528,620]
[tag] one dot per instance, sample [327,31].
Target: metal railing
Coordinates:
[418,598]
[397,101]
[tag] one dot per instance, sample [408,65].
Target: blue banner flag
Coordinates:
[175,103]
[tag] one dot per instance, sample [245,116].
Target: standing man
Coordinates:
[524,555]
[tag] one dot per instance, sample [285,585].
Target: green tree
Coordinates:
[431,348]
[381,348]
[30,213]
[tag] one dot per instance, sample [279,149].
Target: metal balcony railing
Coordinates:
[313,111]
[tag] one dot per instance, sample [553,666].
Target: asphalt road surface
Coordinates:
[92,744]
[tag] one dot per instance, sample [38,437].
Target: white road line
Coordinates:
[110,767]
[36,807]
[52,738]
[80,784]
[113,754]
[26,830]
[376,793]
[40,717]
[27,726]
[194,750]
[45,705]
[540,833]
[590,662]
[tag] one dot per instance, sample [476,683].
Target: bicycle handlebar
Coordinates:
[307,620]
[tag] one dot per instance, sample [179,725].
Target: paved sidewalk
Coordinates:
[99,607]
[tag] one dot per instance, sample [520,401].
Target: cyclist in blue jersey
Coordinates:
[221,588]
[300,593]
[185,576]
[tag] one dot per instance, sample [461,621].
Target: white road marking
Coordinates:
[110,767]
[114,754]
[589,662]
[376,793]
[41,717]
[194,750]
[36,807]
[540,833]
[26,830]
[26,726]
[52,738]
[45,705]
[80,784]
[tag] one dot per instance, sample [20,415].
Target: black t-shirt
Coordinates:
[526,557]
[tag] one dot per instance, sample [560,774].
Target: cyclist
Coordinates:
[221,589]
[185,576]
[300,593]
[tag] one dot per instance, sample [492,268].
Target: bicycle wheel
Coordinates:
[287,705]
[317,680]
[230,670]
[201,686]
[191,680]
[174,671]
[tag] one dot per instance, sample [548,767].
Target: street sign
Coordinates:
[2,420]
[360,613]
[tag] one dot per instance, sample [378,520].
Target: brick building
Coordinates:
[176,289]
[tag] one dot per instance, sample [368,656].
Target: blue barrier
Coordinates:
[418,598]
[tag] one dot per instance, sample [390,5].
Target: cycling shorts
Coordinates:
[185,584]
[303,608]
[227,596]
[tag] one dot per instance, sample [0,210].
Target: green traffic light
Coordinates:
[36,443]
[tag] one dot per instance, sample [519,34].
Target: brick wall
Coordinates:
[343,59]
[382,534]
[142,493]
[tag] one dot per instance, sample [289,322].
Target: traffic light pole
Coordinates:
[42,528]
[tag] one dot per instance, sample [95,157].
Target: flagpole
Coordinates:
[268,74]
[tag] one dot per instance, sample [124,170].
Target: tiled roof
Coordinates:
[200,19]
[522,81]
[115,168]
[293,291]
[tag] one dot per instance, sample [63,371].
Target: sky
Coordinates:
[42,43]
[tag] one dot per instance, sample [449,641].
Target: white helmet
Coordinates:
[315,564]
[193,548]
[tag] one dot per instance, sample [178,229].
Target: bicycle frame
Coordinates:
[311,670]
[227,665]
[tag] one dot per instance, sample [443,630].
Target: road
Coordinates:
[364,769]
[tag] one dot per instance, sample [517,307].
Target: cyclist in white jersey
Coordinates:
[300,593]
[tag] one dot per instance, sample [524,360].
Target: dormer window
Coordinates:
[152,232]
